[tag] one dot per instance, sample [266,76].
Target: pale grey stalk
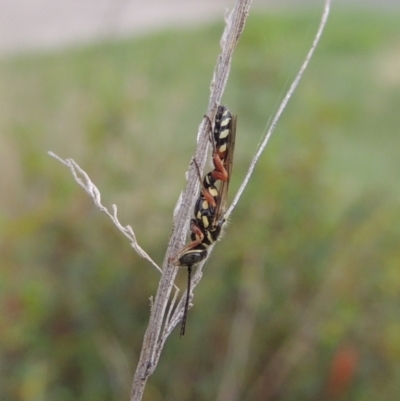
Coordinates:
[281,108]
[82,178]
[155,337]
[162,321]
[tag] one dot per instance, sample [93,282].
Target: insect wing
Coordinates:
[228,164]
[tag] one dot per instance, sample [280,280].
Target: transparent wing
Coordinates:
[228,164]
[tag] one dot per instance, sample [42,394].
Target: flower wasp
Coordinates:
[210,206]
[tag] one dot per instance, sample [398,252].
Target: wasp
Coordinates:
[210,206]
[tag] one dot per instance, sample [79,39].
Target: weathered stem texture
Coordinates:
[163,321]
[154,340]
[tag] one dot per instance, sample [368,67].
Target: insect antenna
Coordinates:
[185,311]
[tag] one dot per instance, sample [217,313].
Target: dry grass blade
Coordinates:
[282,107]
[82,178]
[163,319]
[155,337]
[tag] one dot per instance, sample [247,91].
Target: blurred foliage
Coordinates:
[301,298]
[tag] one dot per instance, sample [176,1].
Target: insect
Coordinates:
[210,206]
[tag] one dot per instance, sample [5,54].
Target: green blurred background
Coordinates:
[300,301]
